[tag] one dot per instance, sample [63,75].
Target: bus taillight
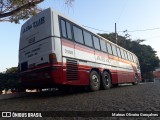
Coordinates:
[52,58]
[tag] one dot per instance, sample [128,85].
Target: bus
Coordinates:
[55,51]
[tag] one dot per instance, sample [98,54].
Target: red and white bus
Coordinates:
[55,51]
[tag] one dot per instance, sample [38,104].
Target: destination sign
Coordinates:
[34,24]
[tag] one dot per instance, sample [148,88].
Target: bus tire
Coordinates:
[136,80]
[94,81]
[106,81]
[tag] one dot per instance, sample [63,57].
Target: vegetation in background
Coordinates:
[16,10]
[9,79]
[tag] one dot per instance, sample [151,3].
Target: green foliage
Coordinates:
[145,53]
[9,79]
[2,81]
[15,10]
[12,70]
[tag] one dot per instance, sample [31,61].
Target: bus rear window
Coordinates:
[63,29]
[69,32]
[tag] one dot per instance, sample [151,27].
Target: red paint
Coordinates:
[83,48]
[36,77]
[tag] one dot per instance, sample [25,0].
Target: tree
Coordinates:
[2,86]
[145,53]
[9,79]
[12,70]
[15,10]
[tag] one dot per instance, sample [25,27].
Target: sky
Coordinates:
[140,18]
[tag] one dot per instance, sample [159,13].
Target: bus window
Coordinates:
[128,56]
[63,29]
[109,48]
[114,50]
[69,33]
[125,55]
[122,53]
[103,46]
[96,43]
[132,58]
[78,36]
[118,52]
[87,38]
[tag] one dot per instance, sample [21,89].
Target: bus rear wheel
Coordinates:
[106,81]
[94,81]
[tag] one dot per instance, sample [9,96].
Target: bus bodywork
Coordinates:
[50,57]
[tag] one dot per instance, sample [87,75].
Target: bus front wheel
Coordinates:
[94,81]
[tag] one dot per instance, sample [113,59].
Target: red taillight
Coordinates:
[52,58]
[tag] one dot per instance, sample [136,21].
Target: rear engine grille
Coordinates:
[72,70]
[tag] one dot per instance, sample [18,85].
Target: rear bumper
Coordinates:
[40,78]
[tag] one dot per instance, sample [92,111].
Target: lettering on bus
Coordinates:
[34,24]
[39,22]
[32,52]
[102,59]
[31,40]
[68,52]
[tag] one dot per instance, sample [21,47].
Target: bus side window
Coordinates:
[109,48]
[125,55]
[78,35]
[103,45]
[128,56]
[114,50]
[87,38]
[69,32]
[132,58]
[122,53]
[118,52]
[63,28]
[96,43]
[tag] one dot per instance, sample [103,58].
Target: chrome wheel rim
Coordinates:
[95,80]
[106,81]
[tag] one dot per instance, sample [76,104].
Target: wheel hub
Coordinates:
[95,80]
[106,80]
